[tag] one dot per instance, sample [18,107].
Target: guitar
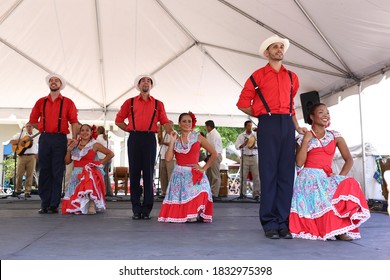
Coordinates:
[24,144]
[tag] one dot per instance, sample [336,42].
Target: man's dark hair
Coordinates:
[246,122]
[210,123]
[151,80]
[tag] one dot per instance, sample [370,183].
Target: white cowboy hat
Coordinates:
[136,81]
[271,40]
[63,82]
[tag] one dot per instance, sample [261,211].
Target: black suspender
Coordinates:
[291,92]
[154,114]
[132,113]
[44,115]
[263,99]
[59,117]
[260,95]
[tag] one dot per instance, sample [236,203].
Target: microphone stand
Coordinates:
[242,186]
[14,194]
[158,190]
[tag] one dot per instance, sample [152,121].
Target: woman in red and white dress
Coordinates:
[86,190]
[188,197]
[325,205]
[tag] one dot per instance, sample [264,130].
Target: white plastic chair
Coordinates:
[386,176]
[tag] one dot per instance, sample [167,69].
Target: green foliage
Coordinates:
[8,167]
[228,134]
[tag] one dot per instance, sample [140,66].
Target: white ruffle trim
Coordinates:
[192,138]
[78,154]
[81,202]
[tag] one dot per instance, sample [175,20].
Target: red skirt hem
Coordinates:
[198,207]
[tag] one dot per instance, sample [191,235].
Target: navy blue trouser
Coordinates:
[51,158]
[276,146]
[142,155]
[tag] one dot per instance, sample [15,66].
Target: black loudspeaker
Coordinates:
[308,99]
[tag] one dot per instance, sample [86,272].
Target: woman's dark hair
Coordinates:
[85,124]
[101,130]
[182,115]
[312,109]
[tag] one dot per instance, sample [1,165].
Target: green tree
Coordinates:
[8,167]
[228,134]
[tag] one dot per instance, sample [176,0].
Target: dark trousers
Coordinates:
[51,157]
[142,155]
[276,146]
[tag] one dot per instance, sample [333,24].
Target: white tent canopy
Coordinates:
[200,51]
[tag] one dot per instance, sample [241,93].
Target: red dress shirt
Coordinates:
[143,113]
[275,87]
[52,112]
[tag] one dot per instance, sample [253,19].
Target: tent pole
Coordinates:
[362,139]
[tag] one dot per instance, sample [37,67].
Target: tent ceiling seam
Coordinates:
[101,59]
[285,62]
[352,75]
[61,37]
[10,11]
[178,23]
[354,83]
[169,61]
[320,58]
[220,66]
[47,70]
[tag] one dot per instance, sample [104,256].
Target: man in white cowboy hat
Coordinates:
[51,115]
[269,94]
[142,112]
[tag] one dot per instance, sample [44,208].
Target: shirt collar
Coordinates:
[268,68]
[139,97]
[59,97]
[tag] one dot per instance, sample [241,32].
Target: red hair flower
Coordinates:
[94,133]
[193,119]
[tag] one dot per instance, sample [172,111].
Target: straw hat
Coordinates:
[138,79]
[271,40]
[63,82]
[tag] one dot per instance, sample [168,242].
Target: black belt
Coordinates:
[28,154]
[250,155]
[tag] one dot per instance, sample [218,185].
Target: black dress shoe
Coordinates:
[285,233]
[53,210]
[136,216]
[16,194]
[42,211]
[272,234]
[27,195]
[146,217]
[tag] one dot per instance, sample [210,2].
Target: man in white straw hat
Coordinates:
[51,115]
[269,94]
[142,112]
